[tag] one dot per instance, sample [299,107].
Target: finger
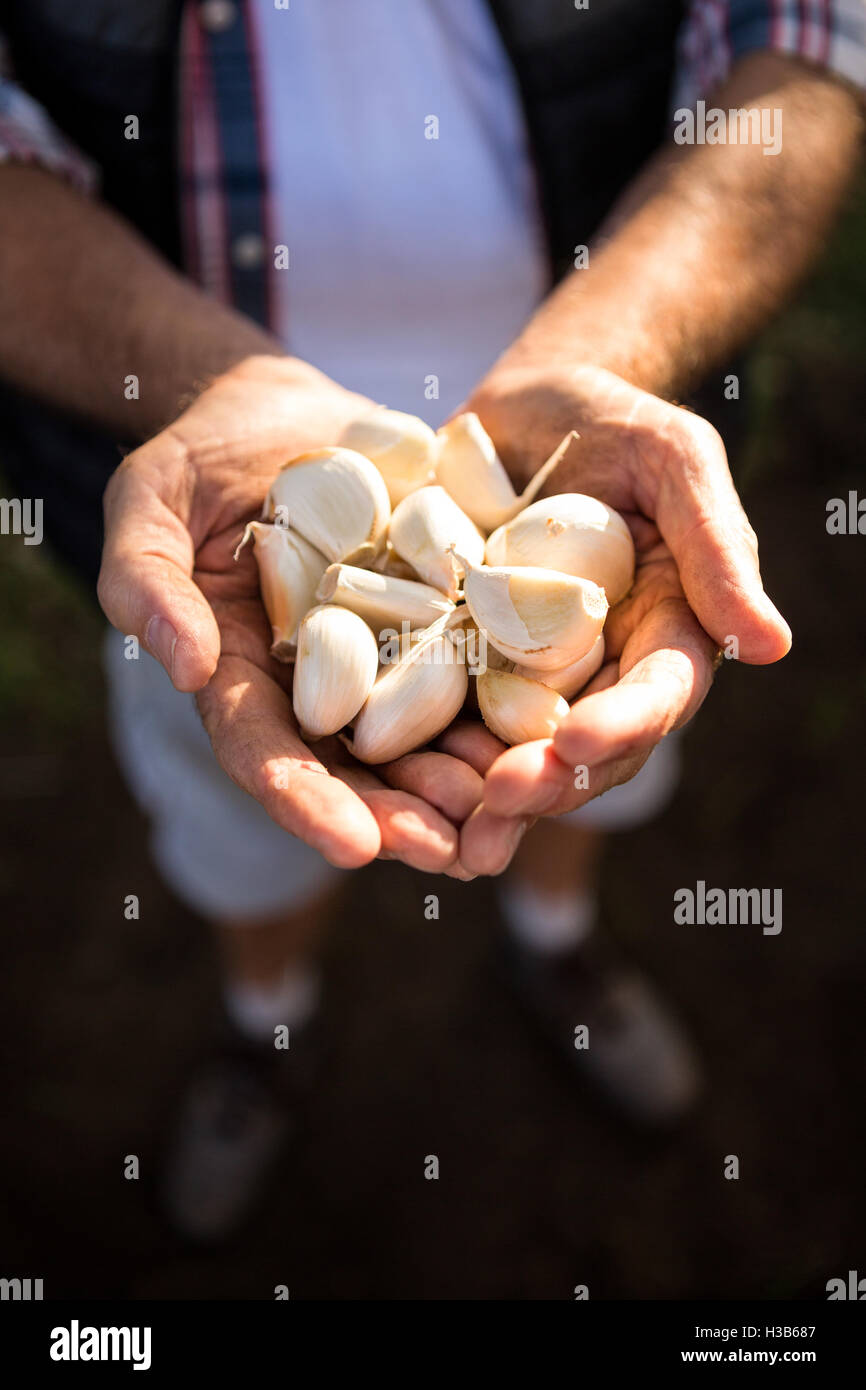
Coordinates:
[410,829]
[145,585]
[488,841]
[556,790]
[668,665]
[472,743]
[460,872]
[447,783]
[249,721]
[702,520]
[526,779]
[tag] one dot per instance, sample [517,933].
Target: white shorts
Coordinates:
[643,798]
[214,845]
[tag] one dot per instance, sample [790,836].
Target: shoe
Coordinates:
[636,1054]
[237,1116]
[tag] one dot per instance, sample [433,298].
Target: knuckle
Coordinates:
[699,438]
[116,486]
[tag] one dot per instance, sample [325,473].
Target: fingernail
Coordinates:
[160,638]
[462,875]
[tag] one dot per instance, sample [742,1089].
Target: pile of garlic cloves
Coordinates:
[386,559]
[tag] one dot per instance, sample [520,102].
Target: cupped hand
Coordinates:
[174,512]
[697,589]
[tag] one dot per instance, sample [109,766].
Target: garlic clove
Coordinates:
[335,668]
[481,655]
[538,618]
[289,571]
[568,680]
[389,562]
[381,600]
[471,472]
[572,533]
[336,499]
[518,709]
[413,700]
[427,529]
[402,447]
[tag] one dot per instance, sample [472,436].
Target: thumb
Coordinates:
[145,586]
[702,521]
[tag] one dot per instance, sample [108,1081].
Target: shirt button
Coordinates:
[217,15]
[248,251]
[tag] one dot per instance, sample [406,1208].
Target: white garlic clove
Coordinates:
[568,680]
[538,618]
[388,562]
[573,533]
[290,570]
[414,699]
[336,499]
[335,668]
[481,654]
[381,600]
[471,472]
[518,709]
[426,530]
[402,447]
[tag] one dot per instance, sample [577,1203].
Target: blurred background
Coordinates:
[102,1018]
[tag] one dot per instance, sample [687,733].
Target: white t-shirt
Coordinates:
[411,257]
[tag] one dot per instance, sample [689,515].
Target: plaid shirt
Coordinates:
[830,33]
[225,230]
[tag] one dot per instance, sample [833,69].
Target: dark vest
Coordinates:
[595,85]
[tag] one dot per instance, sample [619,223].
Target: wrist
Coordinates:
[315,396]
[636,356]
[261,407]
[217,343]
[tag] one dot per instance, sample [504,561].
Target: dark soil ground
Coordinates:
[539,1191]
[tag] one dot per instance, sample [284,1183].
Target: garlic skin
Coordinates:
[568,680]
[428,530]
[290,570]
[518,709]
[335,668]
[402,447]
[538,618]
[336,499]
[572,533]
[470,470]
[381,600]
[413,700]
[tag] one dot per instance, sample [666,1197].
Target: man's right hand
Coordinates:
[174,512]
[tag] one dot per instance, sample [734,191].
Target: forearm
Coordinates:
[707,242]
[86,303]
